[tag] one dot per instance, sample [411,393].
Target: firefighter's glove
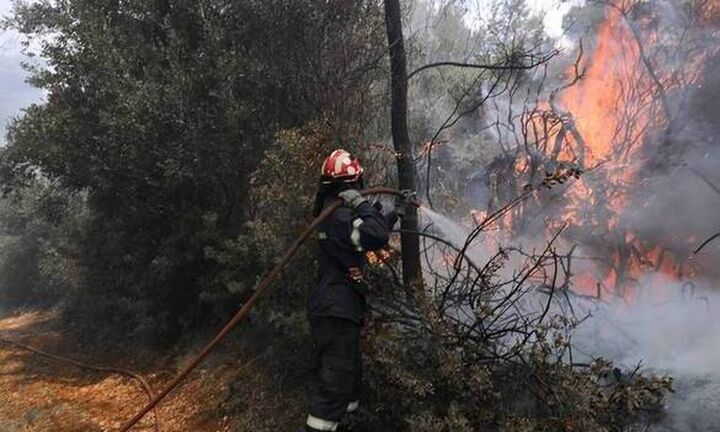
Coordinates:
[351,198]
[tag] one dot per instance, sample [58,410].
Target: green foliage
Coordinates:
[38,262]
[282,198]
[417,382]
[161,111]
[453,108]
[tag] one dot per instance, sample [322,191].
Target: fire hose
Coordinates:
[261,288]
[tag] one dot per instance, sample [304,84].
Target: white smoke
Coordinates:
[670,328]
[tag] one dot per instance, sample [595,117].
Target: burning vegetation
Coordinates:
[564,184]
[611,162]
[622,114]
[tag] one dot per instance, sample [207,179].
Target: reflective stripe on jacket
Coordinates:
[344,237]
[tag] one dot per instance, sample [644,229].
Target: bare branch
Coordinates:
[705,243]
[510,65]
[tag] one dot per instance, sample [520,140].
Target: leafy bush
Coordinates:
[159,113]
[40,225]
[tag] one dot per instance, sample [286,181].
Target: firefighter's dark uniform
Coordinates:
[336,307]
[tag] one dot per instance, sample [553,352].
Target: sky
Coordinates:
[15,93]
[553,12]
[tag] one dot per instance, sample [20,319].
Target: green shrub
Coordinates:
[39,227]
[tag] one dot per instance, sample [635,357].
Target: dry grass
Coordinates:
[232,392]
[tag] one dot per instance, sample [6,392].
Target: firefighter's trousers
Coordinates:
[337,368]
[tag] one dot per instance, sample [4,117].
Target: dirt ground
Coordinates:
[42,394]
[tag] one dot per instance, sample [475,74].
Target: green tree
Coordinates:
[38,257]
[160,111]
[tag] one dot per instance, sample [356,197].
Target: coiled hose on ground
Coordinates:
[262,286]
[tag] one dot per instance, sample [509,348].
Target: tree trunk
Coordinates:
[401,140]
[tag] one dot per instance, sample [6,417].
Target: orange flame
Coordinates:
[606,103]
[611,109]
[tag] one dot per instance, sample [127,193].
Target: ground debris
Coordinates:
[40,394]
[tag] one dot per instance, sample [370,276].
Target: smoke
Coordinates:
[452,231]
[676,201]
[668,186]
[455,108]
[669,328]
[675,326]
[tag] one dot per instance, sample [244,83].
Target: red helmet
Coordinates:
[341,166]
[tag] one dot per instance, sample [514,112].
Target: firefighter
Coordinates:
[337,303]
